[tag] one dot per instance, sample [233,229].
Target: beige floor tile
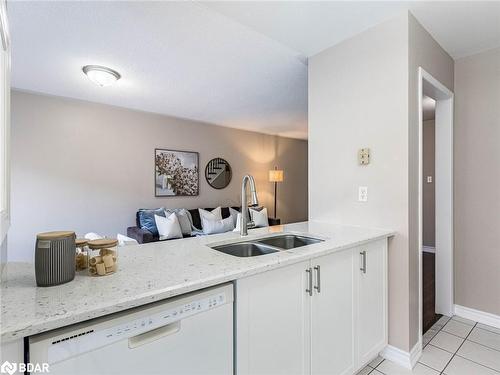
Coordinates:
[441,322]
[446,341]
[480,354]
[462,366]
[376,361]
[428,336]
[435,358]
[463,320]
[488,328]
[365,371]
[457,328]
[486,338]
[390,368]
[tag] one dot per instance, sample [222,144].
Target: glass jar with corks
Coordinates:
[81,259]
[102,257]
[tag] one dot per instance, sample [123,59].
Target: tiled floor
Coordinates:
[455,346]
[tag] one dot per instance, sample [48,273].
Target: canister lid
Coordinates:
[55,235]
[102,243]
[81,242]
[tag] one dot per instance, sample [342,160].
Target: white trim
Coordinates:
[429,249]
[478,316]
[445,282]
[405,359]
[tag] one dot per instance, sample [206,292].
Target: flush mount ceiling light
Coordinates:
[101,75]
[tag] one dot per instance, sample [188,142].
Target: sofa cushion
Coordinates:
[212,225]
[168,227]
[259,217]
[195,215]
[184,217]
[146,218]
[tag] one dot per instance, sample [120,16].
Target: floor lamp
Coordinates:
[275,175]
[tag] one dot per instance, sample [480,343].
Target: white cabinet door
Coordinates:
[371,268]
[332,316]
[273,316]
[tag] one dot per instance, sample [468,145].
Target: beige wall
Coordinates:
[89,167]
[477,181]
[425,52]
[358,97]
[428,191]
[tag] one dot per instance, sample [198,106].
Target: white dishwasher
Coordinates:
[191,334]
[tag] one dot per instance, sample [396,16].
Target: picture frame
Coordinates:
[176,173]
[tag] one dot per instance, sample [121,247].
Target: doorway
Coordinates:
[429,315]
[435,201]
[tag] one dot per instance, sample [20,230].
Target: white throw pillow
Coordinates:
[168,227]
[215,214]
[217,226]
[125,241]
[238,221]
[234,215]
[259,217]
[184,219]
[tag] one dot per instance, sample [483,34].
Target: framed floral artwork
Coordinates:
[176,173]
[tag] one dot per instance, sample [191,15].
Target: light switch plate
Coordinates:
[364,156]
[429,179]
[363,194]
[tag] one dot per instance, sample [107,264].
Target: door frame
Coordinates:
[443,180]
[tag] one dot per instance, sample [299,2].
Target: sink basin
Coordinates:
[289,241]
[245,249]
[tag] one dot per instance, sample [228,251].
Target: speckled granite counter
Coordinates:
[151,272]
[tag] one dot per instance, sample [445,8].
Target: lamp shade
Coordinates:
[276,175]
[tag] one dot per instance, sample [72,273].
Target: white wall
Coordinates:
[89,167]
[358,97]
[363,93]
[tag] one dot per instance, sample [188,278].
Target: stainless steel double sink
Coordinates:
[266,245]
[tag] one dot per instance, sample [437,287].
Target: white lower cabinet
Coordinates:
[332,314]
[324,316]
[371,267]
[272,322]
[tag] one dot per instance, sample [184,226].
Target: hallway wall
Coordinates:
[429,196]
[477,181]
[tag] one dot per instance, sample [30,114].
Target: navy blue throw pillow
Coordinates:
[147,219]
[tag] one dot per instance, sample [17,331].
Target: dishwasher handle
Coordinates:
[154,334]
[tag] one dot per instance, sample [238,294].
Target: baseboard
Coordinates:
[429,249]
[478,316]
[405,359]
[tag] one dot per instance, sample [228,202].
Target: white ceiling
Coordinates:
[176,58]
[461,27]
[236,64]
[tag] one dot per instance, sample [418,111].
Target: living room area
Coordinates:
[87,158]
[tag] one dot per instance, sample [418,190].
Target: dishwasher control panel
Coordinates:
[111,329]
[163,318]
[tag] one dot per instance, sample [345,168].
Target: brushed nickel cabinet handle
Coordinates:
[363,261]
[318,278]
[310,281]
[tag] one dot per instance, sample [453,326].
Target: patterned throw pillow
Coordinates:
[147,218]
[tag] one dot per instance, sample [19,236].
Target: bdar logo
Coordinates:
[8,368]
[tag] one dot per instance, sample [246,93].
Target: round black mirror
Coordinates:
[218,173]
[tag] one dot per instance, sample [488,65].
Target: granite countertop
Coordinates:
[152,272]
